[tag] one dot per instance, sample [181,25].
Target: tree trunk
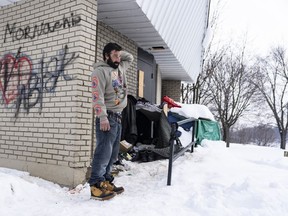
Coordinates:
[226,135]
[283,136]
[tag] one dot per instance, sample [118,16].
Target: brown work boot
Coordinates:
[113,188]
[101,192]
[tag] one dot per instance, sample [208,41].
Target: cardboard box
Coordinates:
[125,146]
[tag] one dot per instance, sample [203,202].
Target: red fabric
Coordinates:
[171,103]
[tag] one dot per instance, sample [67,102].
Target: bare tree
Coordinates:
[273,82]
[197,92]
[187,93]
[232,89]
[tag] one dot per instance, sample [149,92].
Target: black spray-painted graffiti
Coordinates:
[22,86]
[18,33]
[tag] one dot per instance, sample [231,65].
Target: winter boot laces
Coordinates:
[101,192]
[113,188]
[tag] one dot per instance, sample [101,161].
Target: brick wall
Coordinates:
[47,48]
[47,51]
[171,88]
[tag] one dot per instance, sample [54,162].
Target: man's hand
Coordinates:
[104,125]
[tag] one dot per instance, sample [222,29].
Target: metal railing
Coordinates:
[173,138]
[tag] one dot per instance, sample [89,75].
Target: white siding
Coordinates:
[182,26]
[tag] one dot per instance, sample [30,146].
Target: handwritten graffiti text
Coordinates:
[22,86]
[18,33]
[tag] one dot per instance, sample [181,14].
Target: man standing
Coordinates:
[109,97]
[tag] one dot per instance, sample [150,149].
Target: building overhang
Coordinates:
[173,31]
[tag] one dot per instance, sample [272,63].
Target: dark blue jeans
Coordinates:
[106,152]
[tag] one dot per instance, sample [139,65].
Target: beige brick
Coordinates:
[57,157]
[41,150]
[48,145]
[22,148]
[12,157]
[8,151]
[9,142]
[57,146]
[48,135]
[52,151]
[59,136]
[3,155]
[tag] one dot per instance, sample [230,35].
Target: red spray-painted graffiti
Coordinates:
[22,86]
[14,71]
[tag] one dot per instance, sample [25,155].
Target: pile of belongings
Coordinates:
[146,131]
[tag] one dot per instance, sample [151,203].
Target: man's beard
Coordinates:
[112,64]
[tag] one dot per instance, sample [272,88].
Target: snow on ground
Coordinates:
[212,181]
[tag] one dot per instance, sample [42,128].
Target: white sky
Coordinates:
[264,22]
[213,181]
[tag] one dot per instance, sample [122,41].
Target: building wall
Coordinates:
[158,86]
[172,88]
[47,51]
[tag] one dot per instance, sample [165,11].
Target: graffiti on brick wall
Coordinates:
[15,71]
[21,85]
[29,32]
